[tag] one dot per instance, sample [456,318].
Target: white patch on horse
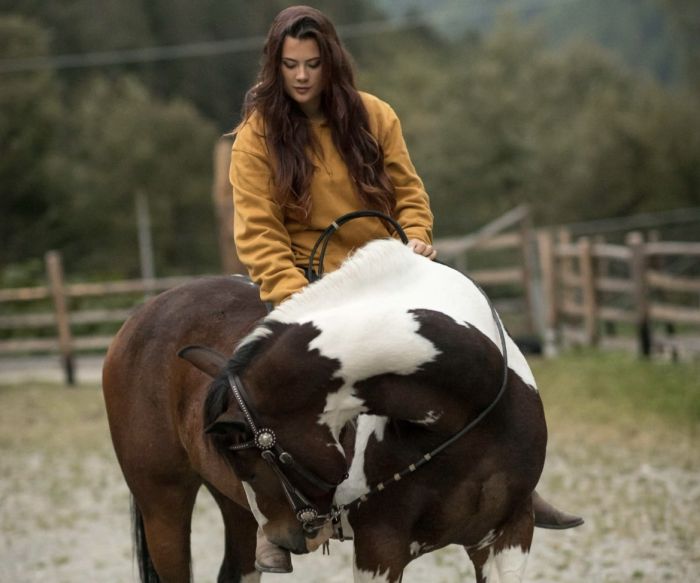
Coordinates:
[488,540]
[364,353]
[416,549]
[369,298]
[356,483]
[505,566]
[341,407]
[377,576]
[260,518]
[336,445]
[259,332]
[430,418]
[253,577]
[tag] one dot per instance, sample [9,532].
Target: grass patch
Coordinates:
[585,387]
[51,417]
[619,388]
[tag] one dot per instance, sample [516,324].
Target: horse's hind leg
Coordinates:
[167,516]
[238,565]
[503,556]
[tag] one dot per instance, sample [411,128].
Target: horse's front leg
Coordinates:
[502,556]
[239,551]
[381,554]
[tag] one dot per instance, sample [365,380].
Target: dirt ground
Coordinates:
[64,509]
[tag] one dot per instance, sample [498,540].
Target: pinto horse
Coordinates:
[356,378]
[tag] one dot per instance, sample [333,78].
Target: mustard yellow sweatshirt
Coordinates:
[274,248]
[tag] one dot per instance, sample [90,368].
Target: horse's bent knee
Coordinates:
[509,564]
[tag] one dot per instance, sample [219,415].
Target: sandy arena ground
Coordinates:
[64,509]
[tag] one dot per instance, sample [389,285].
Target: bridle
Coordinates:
[265,440]
[330,230]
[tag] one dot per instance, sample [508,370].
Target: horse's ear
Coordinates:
[227,422]
[205,359]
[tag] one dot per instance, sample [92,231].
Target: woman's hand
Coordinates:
[422,248]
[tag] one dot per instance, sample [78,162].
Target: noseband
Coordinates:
[265,440]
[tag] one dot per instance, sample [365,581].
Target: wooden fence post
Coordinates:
[635,242]
[566,265]
[223,204]
[588,288]
[526,238]
[545,243]
[460,262]
[54,270]
[602,270]
[143,221]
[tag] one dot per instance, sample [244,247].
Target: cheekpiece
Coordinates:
[265,439]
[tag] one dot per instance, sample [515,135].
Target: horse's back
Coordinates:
[215,311]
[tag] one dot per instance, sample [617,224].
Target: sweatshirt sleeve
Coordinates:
[262,240]
[412,203]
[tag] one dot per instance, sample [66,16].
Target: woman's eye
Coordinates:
[288,65]
[315,65]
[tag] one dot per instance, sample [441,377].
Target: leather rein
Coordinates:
[265,440]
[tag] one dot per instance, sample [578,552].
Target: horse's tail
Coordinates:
[141,554]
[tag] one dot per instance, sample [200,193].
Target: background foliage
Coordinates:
[585,109]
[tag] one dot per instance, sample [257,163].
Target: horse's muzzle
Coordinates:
[293,540]
[318,538]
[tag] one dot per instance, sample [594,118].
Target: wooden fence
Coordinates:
[49,319]
[631,296]
[592,293]
[500,258]
[52,311]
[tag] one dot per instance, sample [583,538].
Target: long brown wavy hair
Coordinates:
[287,128]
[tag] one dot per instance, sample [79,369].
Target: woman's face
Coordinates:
[302,73]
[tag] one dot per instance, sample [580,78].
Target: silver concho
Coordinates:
[265,438]
[307,515]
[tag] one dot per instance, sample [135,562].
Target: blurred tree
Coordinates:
[685,19]
[78,26]
[502,120]
[120,141]
[639,32]
[215,84]
[29,109]
[491,120]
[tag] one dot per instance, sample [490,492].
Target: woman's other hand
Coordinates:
[422,248]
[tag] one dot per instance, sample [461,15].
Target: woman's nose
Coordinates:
[302,73]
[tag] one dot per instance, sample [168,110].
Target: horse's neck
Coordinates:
[409,399]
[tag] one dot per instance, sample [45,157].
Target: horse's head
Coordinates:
[283,383]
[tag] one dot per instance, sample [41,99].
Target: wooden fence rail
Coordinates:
[511,233]
[587,292]
[55,311]
[62,318]
[594,289]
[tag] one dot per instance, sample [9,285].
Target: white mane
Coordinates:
[379,266]
[370,295]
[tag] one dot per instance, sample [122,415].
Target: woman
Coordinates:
[311,148]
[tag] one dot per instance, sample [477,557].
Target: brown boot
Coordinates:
[269,558]
[546,516]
